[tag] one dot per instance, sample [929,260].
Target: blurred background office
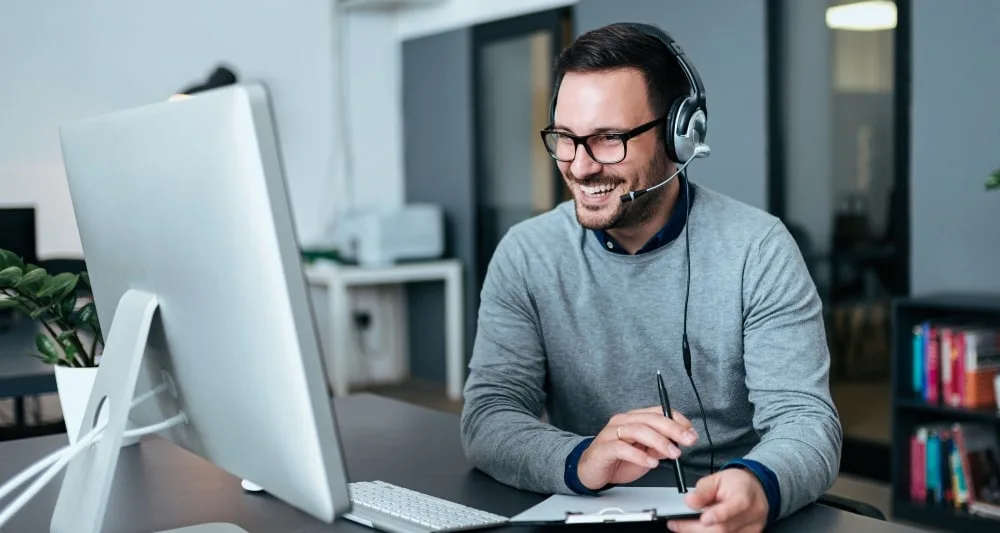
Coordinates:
[409,139]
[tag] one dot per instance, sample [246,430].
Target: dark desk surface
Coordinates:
[20,373]
[159,486]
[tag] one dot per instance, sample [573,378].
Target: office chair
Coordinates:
[851,506]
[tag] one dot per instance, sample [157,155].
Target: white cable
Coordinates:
[63,459]
[48,460]
[45,462]
[67,455]
[156,428]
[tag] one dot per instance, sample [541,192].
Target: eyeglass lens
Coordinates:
[603,148]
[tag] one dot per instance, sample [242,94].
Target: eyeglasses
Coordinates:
[605,148]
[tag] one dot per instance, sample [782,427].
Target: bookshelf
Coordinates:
[910,410]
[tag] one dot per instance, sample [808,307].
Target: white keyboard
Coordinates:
[395,509]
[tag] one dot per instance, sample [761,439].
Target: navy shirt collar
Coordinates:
[670,231]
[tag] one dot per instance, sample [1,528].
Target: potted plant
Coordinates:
[70,336]
[993,182]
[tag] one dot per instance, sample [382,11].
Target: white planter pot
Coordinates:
[74,386]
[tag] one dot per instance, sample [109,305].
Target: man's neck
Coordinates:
[633,238]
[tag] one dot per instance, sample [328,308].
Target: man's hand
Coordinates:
[631,445]
[731,501]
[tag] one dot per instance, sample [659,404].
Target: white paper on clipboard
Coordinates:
[624,500]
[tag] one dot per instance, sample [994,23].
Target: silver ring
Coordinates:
[618,431]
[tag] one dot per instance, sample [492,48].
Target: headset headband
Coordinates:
[697,89]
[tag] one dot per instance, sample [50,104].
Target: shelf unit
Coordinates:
[909,410]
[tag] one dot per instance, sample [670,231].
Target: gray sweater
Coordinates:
[576,333]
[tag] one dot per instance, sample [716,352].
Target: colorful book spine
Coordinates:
[919,357]
[955,365]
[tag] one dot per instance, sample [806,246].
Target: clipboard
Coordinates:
[616,505]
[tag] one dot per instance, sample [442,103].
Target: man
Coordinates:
[583,305]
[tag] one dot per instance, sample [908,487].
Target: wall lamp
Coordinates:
[867,15]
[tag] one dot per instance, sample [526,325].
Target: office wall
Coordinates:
[77,59]
[370,60]
[438,138]
[732,63]
[955,136]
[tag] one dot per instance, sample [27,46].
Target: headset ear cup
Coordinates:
[685,136]
[670,129]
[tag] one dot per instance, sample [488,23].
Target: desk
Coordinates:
[336,278]
[159,486]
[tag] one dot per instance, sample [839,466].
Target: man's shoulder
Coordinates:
[733,220]
[543,231]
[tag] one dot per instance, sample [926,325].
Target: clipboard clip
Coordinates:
[611,515]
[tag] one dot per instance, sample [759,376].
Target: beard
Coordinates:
[624,214]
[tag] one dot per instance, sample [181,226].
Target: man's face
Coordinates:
[610,102]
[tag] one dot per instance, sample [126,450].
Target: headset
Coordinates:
[685,129]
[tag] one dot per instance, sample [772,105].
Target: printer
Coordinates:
[384,237]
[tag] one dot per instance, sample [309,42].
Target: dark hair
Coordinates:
[619,46]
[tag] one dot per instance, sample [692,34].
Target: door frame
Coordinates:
[558,24]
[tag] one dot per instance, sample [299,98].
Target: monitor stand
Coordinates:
[83,497]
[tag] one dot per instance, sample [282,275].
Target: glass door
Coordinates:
[839,181]
[515,177]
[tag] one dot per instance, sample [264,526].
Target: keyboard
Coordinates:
[394,509]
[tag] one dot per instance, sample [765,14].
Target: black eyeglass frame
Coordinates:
[624,137]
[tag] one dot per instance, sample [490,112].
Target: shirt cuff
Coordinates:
[572,476]
[767,480]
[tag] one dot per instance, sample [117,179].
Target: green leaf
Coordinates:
[72,353]
[16,302]
[10,276]
[58,286]
[65,336]
[87,315]
[40,311]
[994,181]
[46,346]
[67,304]
[85,277]
[46,359]
[8,259]
[31,279]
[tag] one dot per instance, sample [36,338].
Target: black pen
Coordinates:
[665,404]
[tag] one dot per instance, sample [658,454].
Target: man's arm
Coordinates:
[504,397]
[787,364]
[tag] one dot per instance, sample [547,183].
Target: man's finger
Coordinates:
[648,437]
[680,418]
[705,492]
[676,432]
[623,451]
[693,526]
[731,512]
[657,410]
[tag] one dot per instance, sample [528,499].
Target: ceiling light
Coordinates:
[869,15]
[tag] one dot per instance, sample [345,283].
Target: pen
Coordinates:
[665,404]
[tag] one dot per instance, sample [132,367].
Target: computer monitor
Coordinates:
[187,230]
